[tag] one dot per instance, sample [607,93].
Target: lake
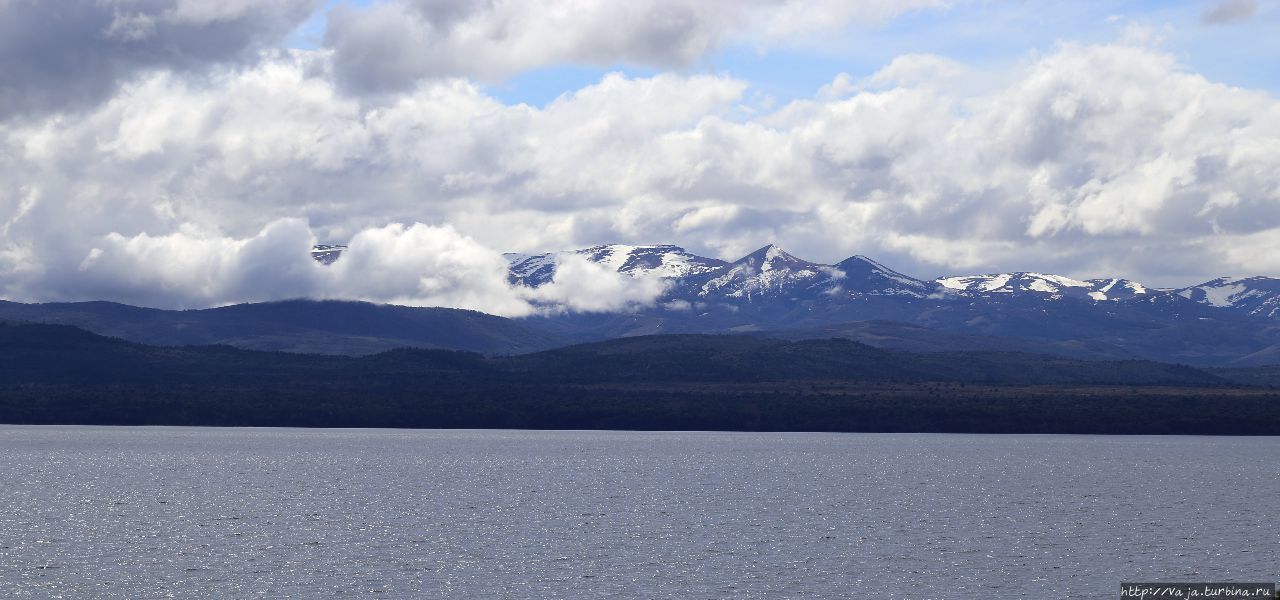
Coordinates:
[197,512]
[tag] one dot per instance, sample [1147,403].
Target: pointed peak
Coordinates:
[771,253]
[861,259]
[865,268]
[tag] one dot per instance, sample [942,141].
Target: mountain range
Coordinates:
[769,293]
[766,342]
[1226,321]
[772,273]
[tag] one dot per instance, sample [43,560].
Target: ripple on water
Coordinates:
[130,512]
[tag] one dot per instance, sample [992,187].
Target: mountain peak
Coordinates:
[772,257]
[859,261]
[767,272]
[868,276]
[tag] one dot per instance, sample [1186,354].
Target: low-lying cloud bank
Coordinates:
[410,265]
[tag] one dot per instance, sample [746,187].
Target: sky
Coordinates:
[184,153]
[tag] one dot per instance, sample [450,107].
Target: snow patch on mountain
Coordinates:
[1044,286]
[1116,289]
[1226,295]
[684,280]
[1055,286]
[769,272]
[327,254]
[1253,295]
[656,261]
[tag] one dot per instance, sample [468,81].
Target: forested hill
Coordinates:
[60,374]
[37,353]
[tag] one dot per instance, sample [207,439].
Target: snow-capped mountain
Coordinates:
[1017,284]
[664,261]
[1221,322]
[1118,289]
[327,254]
[772,275]
[865,277]
[1253,295]
[531,270]
[1043,286]
[769,272]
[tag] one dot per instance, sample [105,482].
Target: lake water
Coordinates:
[196,512]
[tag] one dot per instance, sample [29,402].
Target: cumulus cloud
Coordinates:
[580,285]
[1110,159]
[421,265]
[407,265]
[1229,11]
[389,46]
[73,53]
[189,267]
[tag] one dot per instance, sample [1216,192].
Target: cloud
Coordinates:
[580,285]
[77,53]
[184,269]
[1229,11]
[407,265]
[391,45]
[422,265]
[1107,159]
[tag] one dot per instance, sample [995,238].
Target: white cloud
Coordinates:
[183,269]
[390,45]
[422,265]
[583,286]
[1090,160]
[407,265]
[72,53]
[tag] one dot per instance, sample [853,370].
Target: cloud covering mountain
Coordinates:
[174,154]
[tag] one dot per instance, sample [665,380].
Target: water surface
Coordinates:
[197,512]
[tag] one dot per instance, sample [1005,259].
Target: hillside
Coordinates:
[303,326]
[59,374]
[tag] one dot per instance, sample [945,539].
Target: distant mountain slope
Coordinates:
[665,261]
[1225,322]
[41,353]
[327,254]
[62,354]
[766,275]
[861,276]
[1167,328]
[329,327]
[907,337]
[1253,295]
[772,275]
[729,358]
[59,374]
[1043,286]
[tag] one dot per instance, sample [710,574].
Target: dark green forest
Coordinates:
[51,374]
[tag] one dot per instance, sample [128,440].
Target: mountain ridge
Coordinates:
[773,269]
[57,374]
[771,292]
